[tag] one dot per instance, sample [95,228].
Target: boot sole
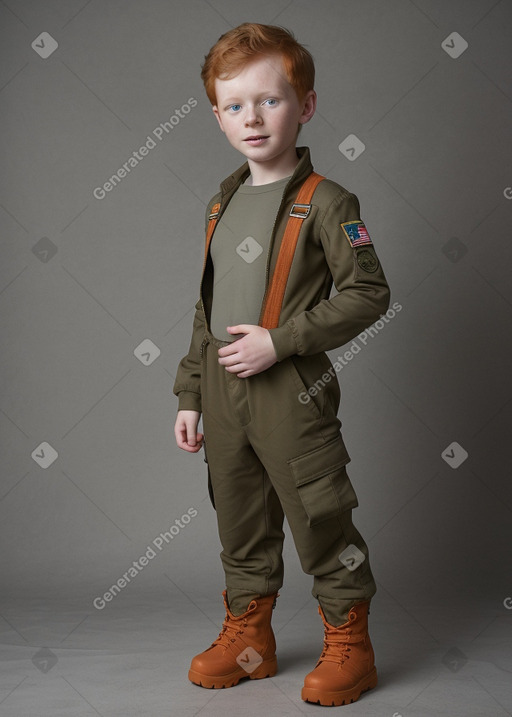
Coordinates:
[268,668]
[345,697]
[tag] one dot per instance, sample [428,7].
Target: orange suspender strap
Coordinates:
[211,226]
[299,211]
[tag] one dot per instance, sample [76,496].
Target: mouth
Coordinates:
[256,139]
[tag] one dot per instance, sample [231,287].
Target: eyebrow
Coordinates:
[260,94]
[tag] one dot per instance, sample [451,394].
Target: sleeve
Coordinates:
[363,292]
[187,385]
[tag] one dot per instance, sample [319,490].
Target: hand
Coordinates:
[185,430]
[249,355]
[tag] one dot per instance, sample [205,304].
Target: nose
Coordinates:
[252,116]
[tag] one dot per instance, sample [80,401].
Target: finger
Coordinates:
[227,350]
[236,368]
[190,449]
[180,435]
[239,329]
[182,443]
[231,360]
[191,436]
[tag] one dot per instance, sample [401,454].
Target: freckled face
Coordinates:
[259,111]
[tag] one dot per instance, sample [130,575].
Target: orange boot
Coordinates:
[245,647]
[346,666]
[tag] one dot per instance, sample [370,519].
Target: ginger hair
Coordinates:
[239,46]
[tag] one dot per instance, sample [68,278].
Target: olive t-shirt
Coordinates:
[239,250]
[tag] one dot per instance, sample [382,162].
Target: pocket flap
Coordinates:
[319,462]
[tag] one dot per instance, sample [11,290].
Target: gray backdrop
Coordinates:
[97,290]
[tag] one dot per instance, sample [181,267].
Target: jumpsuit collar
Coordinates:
[302,170]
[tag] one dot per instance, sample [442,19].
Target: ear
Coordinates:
[308,107]
[216,112]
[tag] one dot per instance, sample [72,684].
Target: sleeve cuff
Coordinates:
[189,401]
[284,341]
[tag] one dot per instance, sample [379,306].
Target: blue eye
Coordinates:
[235,108]
[271,102]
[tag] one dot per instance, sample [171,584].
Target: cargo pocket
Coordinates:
[210,487]
[322,482]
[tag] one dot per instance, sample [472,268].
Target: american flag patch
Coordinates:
[356,233]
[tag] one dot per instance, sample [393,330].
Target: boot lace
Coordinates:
[336,647]
[230,631]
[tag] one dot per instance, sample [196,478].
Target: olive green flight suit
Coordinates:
[273,449]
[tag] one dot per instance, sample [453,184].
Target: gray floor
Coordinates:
[132,658]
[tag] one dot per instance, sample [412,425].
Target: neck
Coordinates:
[272,170]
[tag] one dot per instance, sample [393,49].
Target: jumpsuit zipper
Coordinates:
[203,342]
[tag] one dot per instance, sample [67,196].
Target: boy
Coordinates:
[278,235]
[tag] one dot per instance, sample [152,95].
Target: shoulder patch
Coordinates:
[356,233]
[367,260]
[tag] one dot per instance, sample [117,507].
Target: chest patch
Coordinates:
[356,233]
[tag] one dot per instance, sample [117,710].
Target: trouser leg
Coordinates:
[300,445]
[249,514]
